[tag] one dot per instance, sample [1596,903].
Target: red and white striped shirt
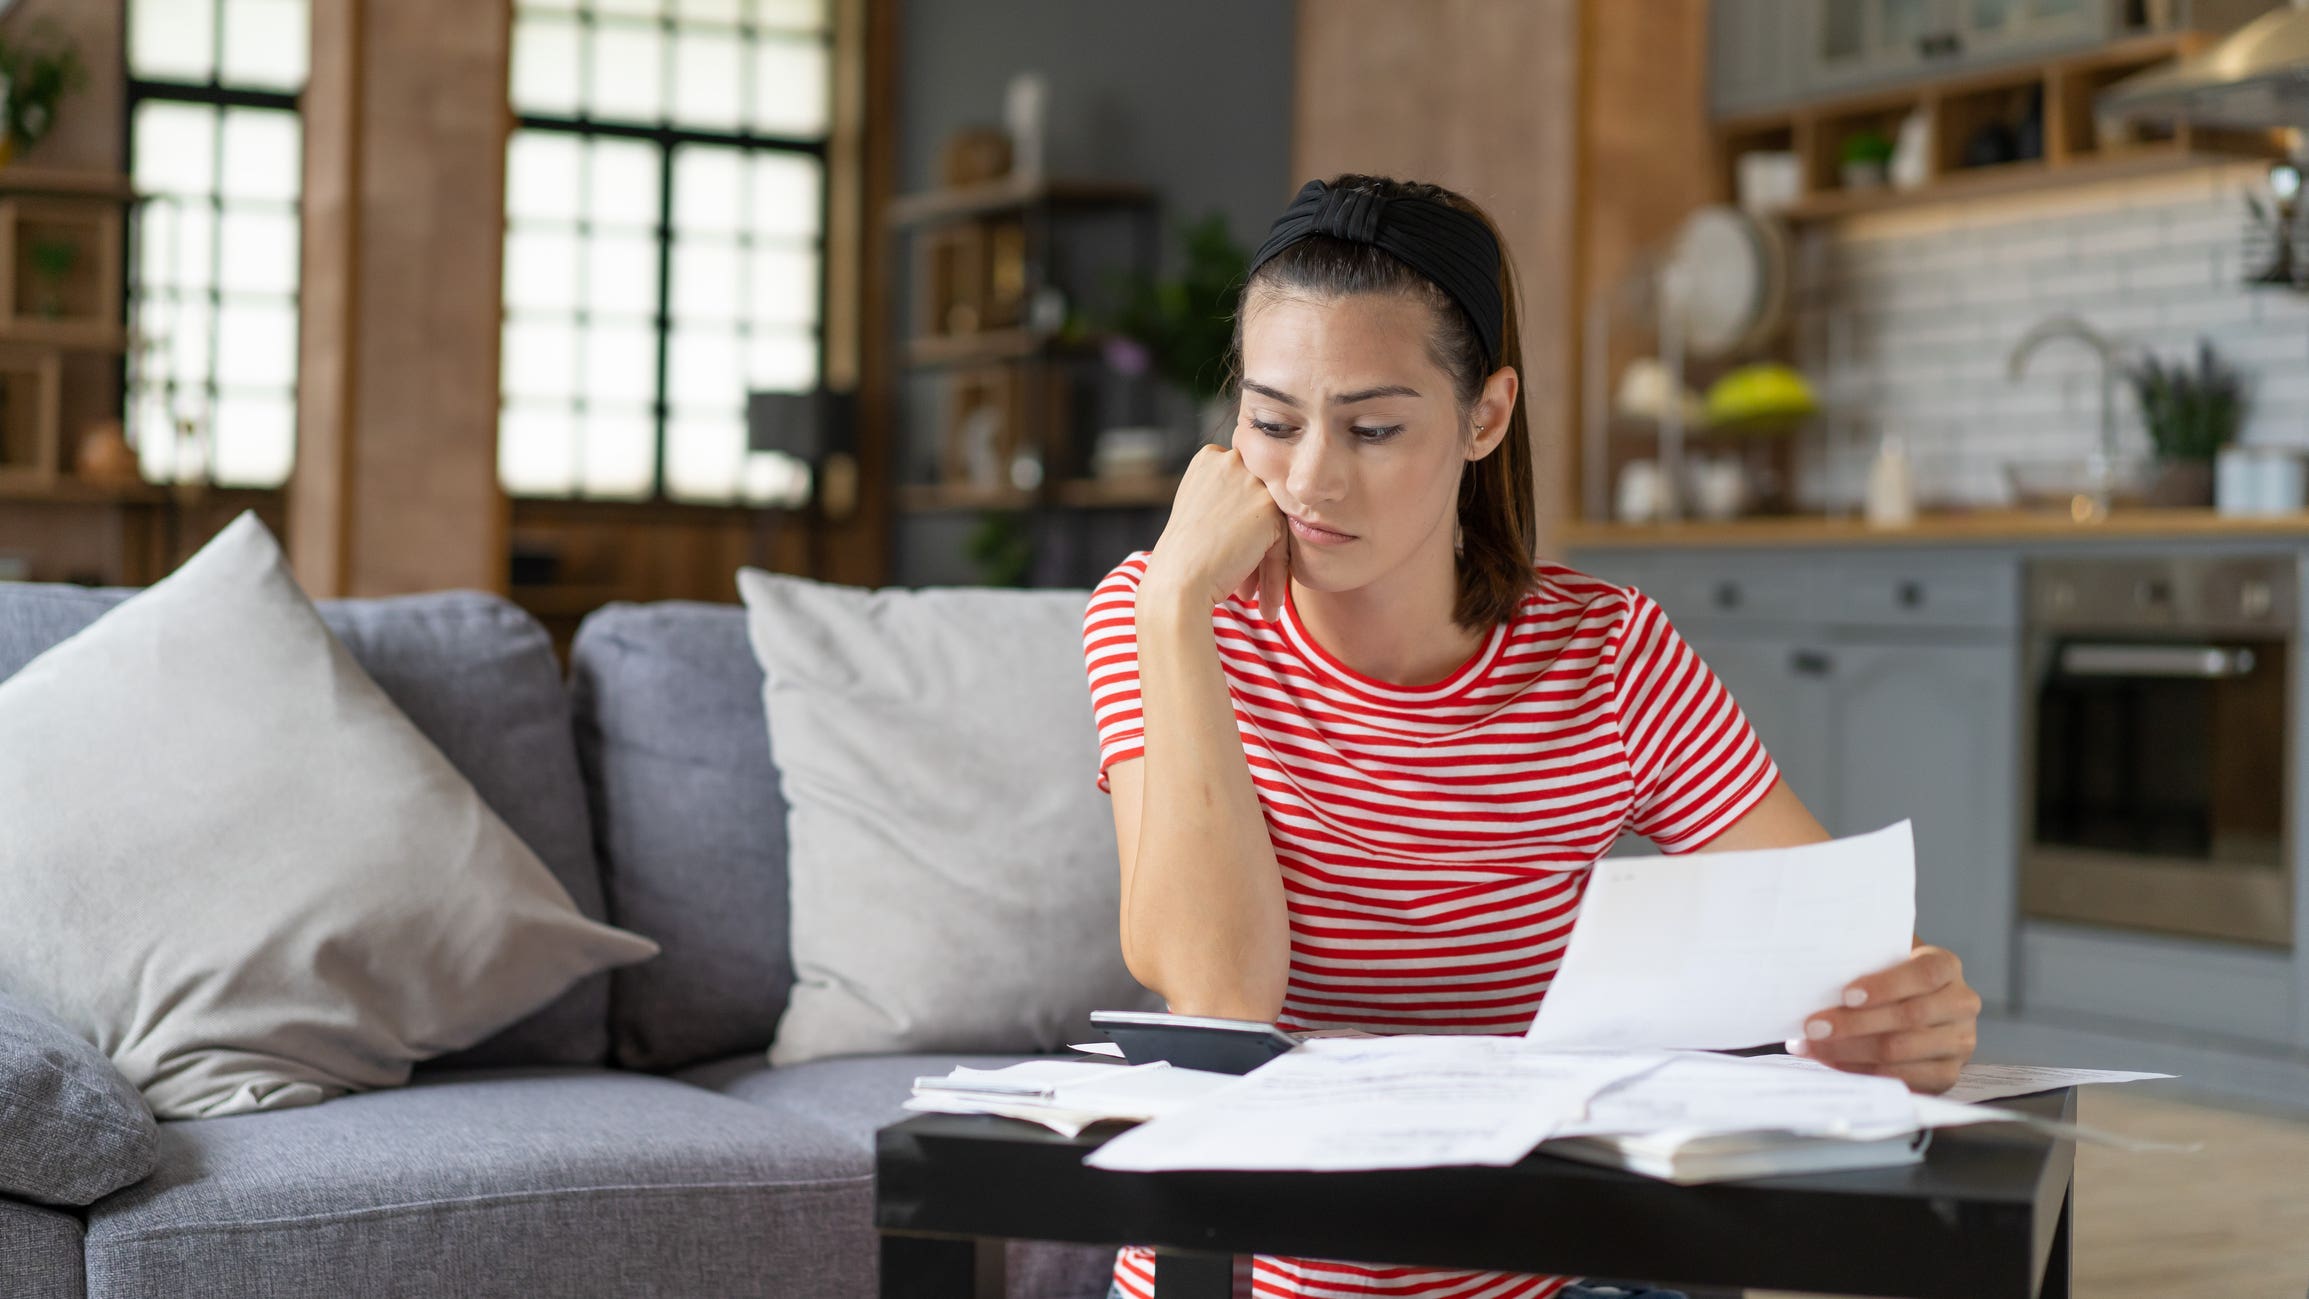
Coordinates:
[1435,839]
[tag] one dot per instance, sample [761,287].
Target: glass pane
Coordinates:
[172,40]
[621,184]
[704,456]
[775,478]
[782,362]
[264,44]
[707,69]
[541,175]
[541,267]
[537,450]
[706,279]
[149,428]
[792,15]
[620,364]
[1842,28]
[1904,22]
[263,155]
[546,6]
[191,246]
[621,275]
[256,438]
[729,12]
[256,345]
[788,199]
[783,289]
[181,342]
[627,71]
[175,148]
[790,93]
[620,452]
[154,254]
[257,252]
[703,371]
[546,59]
[636,8]
[708,189]
[540,358]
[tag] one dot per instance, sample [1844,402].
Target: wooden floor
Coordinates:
[2228,1222]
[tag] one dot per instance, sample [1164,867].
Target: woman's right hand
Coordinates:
[1225,535]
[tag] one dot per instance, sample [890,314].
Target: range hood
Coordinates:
[2257,76]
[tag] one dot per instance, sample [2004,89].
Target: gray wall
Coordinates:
[1189,97]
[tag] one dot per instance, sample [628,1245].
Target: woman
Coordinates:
[1362,748]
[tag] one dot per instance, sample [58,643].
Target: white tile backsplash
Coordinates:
[1904,321]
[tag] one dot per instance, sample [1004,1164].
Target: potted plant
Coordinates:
[2191,413]
[1179,327]
[1866,155]
[39,68]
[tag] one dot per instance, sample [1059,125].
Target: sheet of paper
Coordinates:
[1698,1095]
[1732,949]
[1028,1078]
[1411,1101]
[1096,1048]
[1988,1082]
[1133,1094]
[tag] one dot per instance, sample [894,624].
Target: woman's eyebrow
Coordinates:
[1343,399]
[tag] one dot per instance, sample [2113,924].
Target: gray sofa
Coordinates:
[630,1138]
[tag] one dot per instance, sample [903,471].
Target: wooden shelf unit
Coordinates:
[2073,151]
[1136,493]
[1008,195]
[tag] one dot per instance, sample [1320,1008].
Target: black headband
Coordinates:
[1443,243]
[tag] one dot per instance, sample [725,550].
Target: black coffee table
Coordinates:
[1985,1216]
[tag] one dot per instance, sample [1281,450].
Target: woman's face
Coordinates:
[1354,429]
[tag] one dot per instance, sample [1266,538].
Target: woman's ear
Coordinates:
[1493,412]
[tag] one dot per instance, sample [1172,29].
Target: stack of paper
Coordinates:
[1065,1096]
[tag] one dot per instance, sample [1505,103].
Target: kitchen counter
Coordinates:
[1955,527]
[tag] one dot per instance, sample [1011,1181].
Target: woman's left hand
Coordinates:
[1916,1021]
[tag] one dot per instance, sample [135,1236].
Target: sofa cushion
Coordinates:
[71,1128]
[40,1256]
[238,868]
[853,1097]
[953,880]
[477,675]
[692,826]
[512,1182]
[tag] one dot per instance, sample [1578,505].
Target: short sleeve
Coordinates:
[1110,656]
[1696,764]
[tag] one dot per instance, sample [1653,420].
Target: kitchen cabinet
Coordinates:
[1885,689]
[1751,58]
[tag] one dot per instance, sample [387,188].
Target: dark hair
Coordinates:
[1497,512]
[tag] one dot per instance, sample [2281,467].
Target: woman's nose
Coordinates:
[1318,473]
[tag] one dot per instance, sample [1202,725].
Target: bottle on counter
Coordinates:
[1891,501]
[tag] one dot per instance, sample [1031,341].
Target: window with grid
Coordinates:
[664,254]
[216,149]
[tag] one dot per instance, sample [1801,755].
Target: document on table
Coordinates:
[1388,1102]
[1731,949]
[1696,1094]
[1988,1082]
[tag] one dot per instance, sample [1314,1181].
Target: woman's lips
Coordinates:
[1317,536]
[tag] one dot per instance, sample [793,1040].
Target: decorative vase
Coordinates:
[2182,484]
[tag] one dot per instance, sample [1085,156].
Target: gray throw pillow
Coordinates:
[233,865]
[72,1130]
[954,881]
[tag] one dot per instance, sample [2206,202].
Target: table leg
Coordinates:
[941,1267]
[1202,1276]
[2056,1266]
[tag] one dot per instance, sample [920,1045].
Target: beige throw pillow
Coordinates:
[954,881]
[231,863]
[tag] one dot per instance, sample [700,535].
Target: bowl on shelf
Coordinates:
[2065,484]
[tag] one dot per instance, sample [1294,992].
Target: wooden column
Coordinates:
[405,117]
[1482,97]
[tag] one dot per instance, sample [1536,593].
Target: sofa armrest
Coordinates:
[71,1128]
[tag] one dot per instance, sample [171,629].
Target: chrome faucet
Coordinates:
[2101,468]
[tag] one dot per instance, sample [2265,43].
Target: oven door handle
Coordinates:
[2201,662]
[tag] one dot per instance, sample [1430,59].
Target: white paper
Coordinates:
[1733,949]
[1700,1095]
[1097,1048]
[1410,1101]
[1086,1094]
[1988,1082]
[1033,1078]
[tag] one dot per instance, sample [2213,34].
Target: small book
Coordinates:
[1687,1158]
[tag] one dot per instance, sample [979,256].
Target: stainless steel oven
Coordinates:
[2159,745]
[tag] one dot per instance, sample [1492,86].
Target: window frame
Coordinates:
[667,139]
